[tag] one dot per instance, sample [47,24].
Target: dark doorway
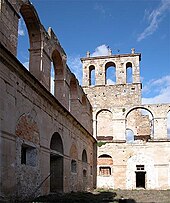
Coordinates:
[140,179]
[56,171]
[56,163]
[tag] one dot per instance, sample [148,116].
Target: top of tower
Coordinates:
[110,55]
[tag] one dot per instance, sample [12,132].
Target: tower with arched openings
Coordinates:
[126,129]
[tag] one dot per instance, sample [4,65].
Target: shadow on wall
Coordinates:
[84,197]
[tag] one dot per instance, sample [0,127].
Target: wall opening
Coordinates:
[73,166]
[56,164]
[23,44]
[140,121]
[52,79]
[168,125]
[58,73]
[92,75]
[129,136]
[110,73]
[129,78]
[28,155]
[105,164]
[84,156]
[140,176]
[140,179]
[104,171]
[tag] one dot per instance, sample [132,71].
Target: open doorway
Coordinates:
[56,164]
[140,179]
[140,176]
[56,171]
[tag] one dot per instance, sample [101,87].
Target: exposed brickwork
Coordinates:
[27,129]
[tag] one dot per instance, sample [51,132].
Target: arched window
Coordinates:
[129,73]
[56,143]
[110,73]
[84,156]
[91,75]
[58,73]
[23,44]
[168,125]
[105,164]
[129,136]
[52,79]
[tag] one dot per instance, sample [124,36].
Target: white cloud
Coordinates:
[101,50]
[161,88]
[21,31]
[75,64]
[154,18]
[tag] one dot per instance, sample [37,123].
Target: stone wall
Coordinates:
[130,133]
[37,129]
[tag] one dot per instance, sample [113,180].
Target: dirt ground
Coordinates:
[110,196]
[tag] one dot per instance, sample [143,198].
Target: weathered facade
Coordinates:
[46,142]
[133,140]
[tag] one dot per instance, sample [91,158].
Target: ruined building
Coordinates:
[46,142]
[133,140]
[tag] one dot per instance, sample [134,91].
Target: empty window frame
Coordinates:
[140,167]
[73,166]
[28,155]
[104,171]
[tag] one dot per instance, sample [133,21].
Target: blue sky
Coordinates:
[83,25]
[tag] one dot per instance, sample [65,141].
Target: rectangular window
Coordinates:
[73,166]
[104,171]
[28,155]
[140,167]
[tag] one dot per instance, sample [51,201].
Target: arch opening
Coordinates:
[52,79]
[129,136]
[92,75]
[140,122]
[23,44]
[84,156]
[110,73]
[129,78]
[56,164]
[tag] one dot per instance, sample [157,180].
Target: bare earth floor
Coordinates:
[110,196]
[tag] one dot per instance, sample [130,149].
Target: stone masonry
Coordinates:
[46,142]
[133,139]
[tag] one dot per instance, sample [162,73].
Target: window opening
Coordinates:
[105,171]
[84,156]
[28,155]
[73,166]
[129,73]
[23,44]
[52,79]
[129,136]
[91,75]
[140,167]
[110,73]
